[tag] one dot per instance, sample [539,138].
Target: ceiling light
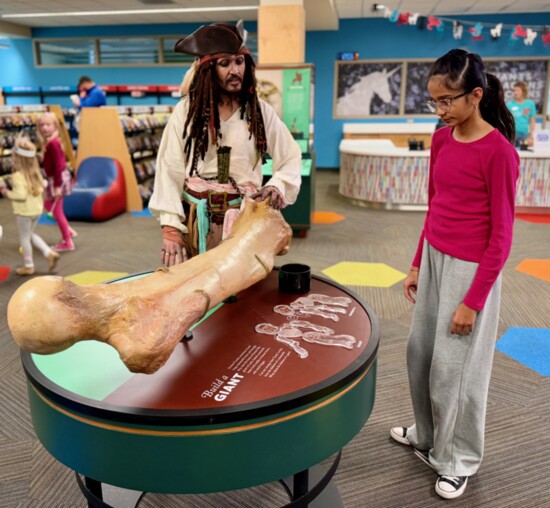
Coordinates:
[129,11]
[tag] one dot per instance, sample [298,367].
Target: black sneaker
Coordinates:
[450,487]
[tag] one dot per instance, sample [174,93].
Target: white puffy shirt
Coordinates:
[245,165]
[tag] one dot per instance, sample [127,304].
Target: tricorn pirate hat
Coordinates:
[213,39]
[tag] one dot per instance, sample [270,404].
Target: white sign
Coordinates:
[541,141]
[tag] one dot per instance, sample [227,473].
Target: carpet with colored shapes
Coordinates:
[529,346]
[143,213]
[93,277]
[531,217]
[364,274]
[327,217]
[4,272]
[536,267]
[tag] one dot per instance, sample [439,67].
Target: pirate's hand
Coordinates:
[173,247]
[273,194]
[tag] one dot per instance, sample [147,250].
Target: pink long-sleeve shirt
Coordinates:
[54,161]
[471,196]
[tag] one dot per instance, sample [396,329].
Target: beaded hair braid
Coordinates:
[203,119]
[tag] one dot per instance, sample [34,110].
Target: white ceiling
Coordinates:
[320,14]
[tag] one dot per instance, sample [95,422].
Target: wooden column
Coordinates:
[281,32]
[101,135]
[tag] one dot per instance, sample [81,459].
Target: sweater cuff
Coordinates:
[170,219]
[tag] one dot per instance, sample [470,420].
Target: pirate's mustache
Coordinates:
[233,77]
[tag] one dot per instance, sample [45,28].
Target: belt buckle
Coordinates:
[217,207]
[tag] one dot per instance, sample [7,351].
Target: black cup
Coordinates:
[294,278]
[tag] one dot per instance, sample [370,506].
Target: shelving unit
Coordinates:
[116,94]
[17,119]
[142,127]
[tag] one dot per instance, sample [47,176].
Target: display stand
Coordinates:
[289,90]
[299,215]
[101,135]
[231,409]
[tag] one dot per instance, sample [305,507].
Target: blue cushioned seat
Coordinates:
[99,192]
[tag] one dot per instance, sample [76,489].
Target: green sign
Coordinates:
[296,101]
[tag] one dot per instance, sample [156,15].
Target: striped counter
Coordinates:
[397,178]
[230,409]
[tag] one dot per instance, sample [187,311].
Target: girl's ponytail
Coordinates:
[493,108]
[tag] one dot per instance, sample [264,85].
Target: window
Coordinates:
[131,50]
[66,52]
[170,56]
[117,51]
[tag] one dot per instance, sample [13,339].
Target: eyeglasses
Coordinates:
[444,104]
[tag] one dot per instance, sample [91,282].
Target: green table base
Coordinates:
[201,459]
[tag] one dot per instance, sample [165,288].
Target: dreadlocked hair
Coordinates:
[203,119]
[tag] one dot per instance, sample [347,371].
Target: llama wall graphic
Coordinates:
[357,99]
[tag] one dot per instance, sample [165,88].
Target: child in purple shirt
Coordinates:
[455,276]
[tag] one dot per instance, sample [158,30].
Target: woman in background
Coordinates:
[524,111]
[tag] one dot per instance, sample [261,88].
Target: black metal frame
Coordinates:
[300,495]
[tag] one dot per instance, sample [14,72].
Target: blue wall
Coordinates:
[380,39]
[372,38]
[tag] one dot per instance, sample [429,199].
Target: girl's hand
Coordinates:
[57,192]
[463,320]
[4,191]
[410,285]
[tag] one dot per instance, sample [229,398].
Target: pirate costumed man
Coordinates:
[214,144]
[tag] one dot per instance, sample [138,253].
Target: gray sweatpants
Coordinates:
[449,374]
[28,238]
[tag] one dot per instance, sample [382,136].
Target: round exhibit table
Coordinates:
[232,408]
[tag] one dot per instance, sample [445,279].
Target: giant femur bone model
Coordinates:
[145,318]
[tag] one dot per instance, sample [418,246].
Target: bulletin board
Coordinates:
[363,87]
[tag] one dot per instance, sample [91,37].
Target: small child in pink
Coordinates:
[53,162]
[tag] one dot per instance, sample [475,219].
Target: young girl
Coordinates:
[27,201]
[53,162]
[464,244]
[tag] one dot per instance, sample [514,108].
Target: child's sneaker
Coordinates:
[449,487]
[53,258]
[24,270]
[63,246]
[399,434]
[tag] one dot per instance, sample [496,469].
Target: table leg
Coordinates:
[323,494]
[301,484]
[94,487]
